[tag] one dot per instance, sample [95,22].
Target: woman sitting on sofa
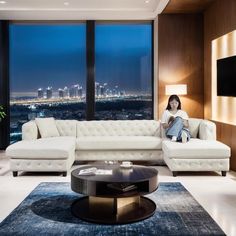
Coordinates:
[175,121]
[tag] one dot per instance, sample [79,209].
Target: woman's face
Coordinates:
[174,104]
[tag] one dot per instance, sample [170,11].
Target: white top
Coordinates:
[167,114]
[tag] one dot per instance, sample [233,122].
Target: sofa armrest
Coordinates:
[207,130]
[29,131]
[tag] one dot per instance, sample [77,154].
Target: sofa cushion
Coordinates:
[195,148]
[57,147]
[118,143]
[47,127]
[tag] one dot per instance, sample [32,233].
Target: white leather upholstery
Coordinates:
[207,130]
[118,128]
[186,164]
[47,127]
[66,127]
[118,140]
[194,127]
[29,131]
[204,154]
[129,155]
[118,143]
[196,149]
[43,148]
[41,164]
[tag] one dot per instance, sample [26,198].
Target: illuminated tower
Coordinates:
[66,92]
[73,91]
[80,91]
[40,93]
[102,90]
[61,93]
[49,92]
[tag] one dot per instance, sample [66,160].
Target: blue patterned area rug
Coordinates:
[46,211]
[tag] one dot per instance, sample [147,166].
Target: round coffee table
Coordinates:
[108,201]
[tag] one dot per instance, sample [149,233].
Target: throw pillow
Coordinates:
[47,127]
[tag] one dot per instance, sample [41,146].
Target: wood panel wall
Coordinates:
[180,59]
[219,19]
[187,6]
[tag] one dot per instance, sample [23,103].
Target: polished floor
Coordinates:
[215,193]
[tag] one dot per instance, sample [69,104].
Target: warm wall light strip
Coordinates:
[223,108]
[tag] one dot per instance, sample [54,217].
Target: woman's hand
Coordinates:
[165,125]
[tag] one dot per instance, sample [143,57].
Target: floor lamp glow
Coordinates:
[178,89]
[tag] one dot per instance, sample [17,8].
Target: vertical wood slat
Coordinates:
[180,58]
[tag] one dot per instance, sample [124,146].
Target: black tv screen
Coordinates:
[226,77]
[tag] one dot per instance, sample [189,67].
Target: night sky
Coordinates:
[54,55]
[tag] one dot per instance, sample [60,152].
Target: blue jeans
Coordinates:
[176,129]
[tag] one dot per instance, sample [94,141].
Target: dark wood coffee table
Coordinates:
[106,205]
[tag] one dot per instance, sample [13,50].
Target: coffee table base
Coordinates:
[113,210]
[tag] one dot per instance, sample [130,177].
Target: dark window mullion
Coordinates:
[90,59]
[4,83]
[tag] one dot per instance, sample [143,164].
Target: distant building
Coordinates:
[66,92]
[102,91]
[40,93]
[76,91]
[49,93]
[105,89]
[61,93]
[80,91]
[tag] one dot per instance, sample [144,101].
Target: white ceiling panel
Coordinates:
[81,9]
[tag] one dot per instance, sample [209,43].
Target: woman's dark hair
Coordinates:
[171,98]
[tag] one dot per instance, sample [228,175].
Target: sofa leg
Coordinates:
[14,173]
[64,173]
[223,173]
[174,173]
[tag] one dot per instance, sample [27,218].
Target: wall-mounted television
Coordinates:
[226,76]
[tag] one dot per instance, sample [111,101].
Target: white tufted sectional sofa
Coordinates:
[117,140]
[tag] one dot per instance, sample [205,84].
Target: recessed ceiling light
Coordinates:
[66,3]
[3,2]
[146,1]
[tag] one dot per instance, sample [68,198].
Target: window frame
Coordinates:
[90,67]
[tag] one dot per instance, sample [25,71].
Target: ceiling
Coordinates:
[81,9]
[187,6]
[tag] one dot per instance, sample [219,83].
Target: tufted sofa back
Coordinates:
[118,128]
[199,128]
[66,127]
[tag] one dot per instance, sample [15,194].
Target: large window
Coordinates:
[123,88]
[47,73]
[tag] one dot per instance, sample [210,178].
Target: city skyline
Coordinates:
[55,91]
[54,55]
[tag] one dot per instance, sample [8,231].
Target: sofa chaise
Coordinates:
[116,140]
